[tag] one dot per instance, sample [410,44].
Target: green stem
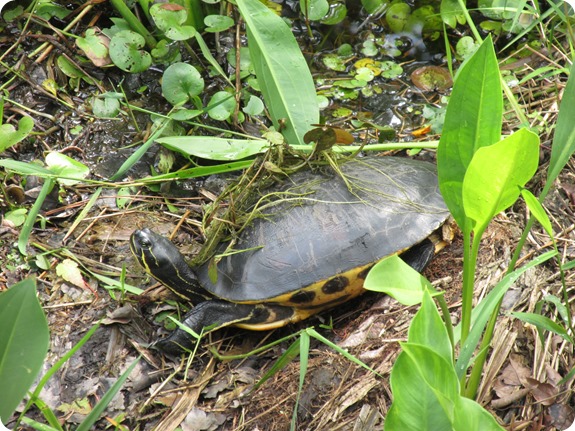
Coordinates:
[134,22]
[469,261]
[477,369]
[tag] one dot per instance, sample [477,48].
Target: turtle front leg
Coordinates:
[215,314]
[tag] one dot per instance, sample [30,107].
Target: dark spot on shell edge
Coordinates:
[302,297]
[335,285]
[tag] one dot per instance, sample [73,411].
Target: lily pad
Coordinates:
[126,52]
[170,18]
[181,82]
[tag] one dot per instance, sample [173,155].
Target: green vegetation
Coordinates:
[488,153]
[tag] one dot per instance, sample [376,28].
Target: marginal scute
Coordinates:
[302,297]
[336,284]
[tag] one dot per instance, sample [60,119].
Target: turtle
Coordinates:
[310,250]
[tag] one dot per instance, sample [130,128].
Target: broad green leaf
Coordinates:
[564,140]
[424,388]
[126,52]
[471,416]
[427,328]
[212,148]
[181,82]
[282,72]
[473,120]
[10,136]
[23,343]
[496,175]
[65,166]
[397,279]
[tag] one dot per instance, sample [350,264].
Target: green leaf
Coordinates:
[211,148]
[105,106]
[538,211]
[564,140]
[170,18]
[545,323]
[314,10]
[397,15]
[451,13]
[221,106]
[65,166]
[473,120]
[9,136]
[98,410]
[218,23]
[25,168]
[427,328]
[282,72]
[496,175]
[181,82]
[471,416]
[255,106]
[126,52]
[397,279]
[95,46]
[424,388]
[23,343]
[483,311]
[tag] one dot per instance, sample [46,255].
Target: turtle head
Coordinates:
[162,260]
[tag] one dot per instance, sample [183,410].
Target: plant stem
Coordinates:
[134,22]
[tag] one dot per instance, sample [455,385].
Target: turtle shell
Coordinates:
[312,247]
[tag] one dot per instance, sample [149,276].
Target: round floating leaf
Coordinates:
[255,106]
[125,52]
[465,47]
[372,6]
[314,9]
[217,23]
[169,18]
[390,69]
[105,106]
[337,14]
[397,16]
[334,62]
[223,106]
[181,82]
